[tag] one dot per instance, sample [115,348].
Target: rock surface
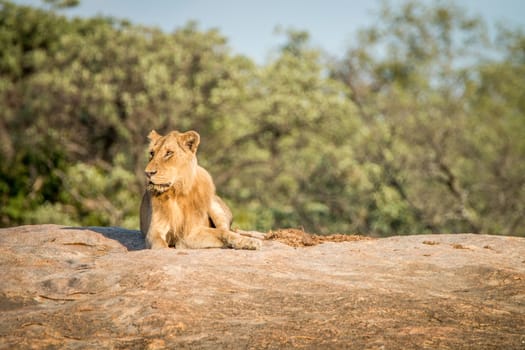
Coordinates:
[97,288]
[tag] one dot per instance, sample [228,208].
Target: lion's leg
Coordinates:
[207,237]
[236,241]
[220,214]
[200,238]
[155,240]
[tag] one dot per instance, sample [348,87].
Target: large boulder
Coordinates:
[97,288]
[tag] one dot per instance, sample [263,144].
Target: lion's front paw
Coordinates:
[245,243]
[153,242]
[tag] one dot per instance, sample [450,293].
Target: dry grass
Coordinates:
[299,238]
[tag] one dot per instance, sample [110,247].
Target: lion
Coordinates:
[179,207]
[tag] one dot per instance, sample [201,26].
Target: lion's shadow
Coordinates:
[131,239]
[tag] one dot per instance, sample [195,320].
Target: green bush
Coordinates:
[412,131]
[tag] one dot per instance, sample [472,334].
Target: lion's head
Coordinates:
[173,162]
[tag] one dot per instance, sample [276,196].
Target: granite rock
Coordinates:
[86,288]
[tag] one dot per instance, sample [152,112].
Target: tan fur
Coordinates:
[179,207]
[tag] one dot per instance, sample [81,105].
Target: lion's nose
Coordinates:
[150,173]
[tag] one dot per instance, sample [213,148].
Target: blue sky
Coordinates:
[250,25]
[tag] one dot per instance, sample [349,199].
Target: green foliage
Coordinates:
[410,133]
[448,123]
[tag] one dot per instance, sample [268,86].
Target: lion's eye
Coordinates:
[151,155]
[168,154]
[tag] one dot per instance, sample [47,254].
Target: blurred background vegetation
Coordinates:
[419,128]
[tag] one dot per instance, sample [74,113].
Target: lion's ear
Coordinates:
[153,136]
[190,140]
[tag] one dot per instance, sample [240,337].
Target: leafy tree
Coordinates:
[297,134]
[413,131]
[441,131]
